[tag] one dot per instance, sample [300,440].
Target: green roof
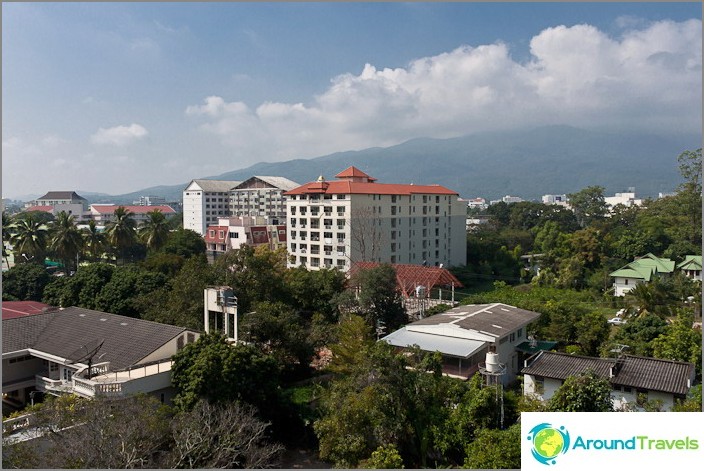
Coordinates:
[539,345]
[644,267]
[691,262]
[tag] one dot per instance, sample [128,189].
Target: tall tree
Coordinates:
[690,163]
[586,392]
[588,205]
[155,231]
[120,232]
[94,241]
[29,239]
[6,233]
[66,241]
[379,298]
[24,282]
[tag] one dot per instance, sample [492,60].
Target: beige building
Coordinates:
[354,219]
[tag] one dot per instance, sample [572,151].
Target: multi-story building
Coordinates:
[56,201]
[204,201]
[149,201]
[354,219]
[233,232]
[261,196]
[560,200]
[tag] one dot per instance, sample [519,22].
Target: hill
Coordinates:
[526,163]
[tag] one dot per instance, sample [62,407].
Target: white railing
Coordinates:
[47,384]
[91,388]
[16,423]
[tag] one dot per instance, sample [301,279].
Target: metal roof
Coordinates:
[219,186]
[453,346]
[494,319]
[652,374]
[61,333]
[61,195]
[281,183]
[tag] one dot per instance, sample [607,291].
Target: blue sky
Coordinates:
[115,97]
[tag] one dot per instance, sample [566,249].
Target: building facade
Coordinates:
[234,232]
[104,213]
[204,201]
[354,219]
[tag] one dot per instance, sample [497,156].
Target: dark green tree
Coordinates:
[639,332]
[681,342]
[82,289]
[185,243]
[592,332]
[379,298]
[586,392]
[30,238]
[588,205]
[24,282]
[119,295]
[94,242]
[495,449]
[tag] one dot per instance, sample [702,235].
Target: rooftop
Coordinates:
[409,276]
[12,309]
[110,208]
[219,186]
[62,195]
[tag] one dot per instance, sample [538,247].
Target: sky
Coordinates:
[117,97]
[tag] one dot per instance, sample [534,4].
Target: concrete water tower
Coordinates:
[220,311]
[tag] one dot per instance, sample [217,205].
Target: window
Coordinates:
[539,384]
[519,333]
[211,233]
[513,336]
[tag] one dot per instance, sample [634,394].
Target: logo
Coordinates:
[548,442]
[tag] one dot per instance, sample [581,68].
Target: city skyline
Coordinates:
[116,97]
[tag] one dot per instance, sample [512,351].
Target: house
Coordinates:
[692,267]
[87,353]
[104,213]
[233,232]
[633,378]
[465,334]
[332,224]
[641,270]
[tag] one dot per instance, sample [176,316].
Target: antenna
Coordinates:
[86,352]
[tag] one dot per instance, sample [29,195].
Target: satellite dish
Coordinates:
[86,352]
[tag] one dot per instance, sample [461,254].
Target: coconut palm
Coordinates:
[66,241]
[155,230]
[649,298]
[120,232]
[29,239]
[93,241]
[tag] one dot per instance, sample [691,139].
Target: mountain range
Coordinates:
[525,163]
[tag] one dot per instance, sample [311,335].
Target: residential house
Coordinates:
[465,334]
[87,353]
[641,270]
[56,201]
[354,219]
[692,267]
[633,379]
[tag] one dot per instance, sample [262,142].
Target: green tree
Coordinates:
[29,239]
[592,332]
[690,164]
[155,230]
[651,297]
[82,289]
[586,392]
[5,236]
[215,371]
[639,333]
[94,241]
[185,243]
[66,241]
[680,342]
[495,449]
[120,232]
[588,205]
[24,282]
[384,457]
[119,295]
[379,298]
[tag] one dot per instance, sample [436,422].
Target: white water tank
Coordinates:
[492,362]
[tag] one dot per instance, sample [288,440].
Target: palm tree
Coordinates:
[93,241]
[155,230]
[120,232]
[66,241]
[649,298]
[29,238]
[5,236]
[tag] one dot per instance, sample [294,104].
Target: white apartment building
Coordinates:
[627,199]
[560,200]
[204,201]
[354,219]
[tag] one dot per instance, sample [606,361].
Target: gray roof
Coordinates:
[493,319]
[632,371]
[62,195]
[220,186]
[276,182]
[126,340]
[453,346]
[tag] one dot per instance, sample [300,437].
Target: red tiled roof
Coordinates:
[260,235]
[110,209]
[13,309]
[358,188]
[409,276]
[46,209]
[353,172]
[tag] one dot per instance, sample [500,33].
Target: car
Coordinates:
[620,312]
[616,321]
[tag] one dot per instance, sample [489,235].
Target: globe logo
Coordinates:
[548,442]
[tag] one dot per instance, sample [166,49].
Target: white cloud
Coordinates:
[647,79]
[119,135]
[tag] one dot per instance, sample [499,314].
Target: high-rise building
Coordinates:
[332,224]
